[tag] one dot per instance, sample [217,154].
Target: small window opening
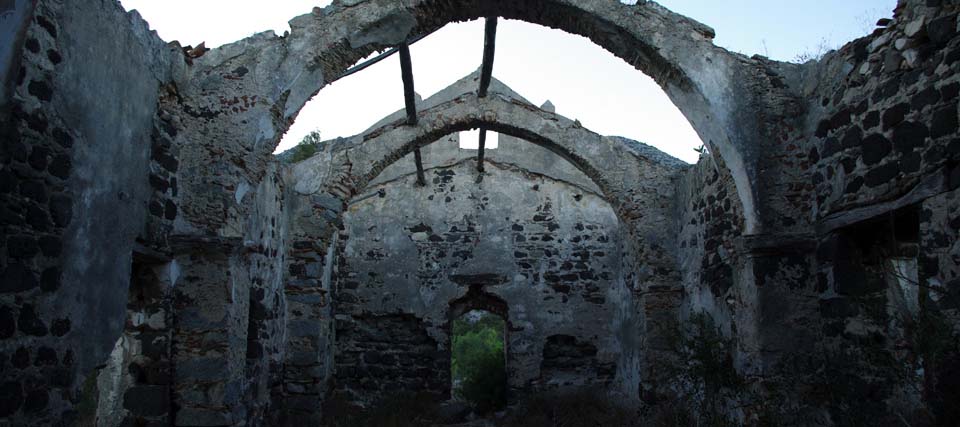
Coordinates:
[470,140]
[881,253]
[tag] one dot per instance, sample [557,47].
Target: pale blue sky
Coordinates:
[582,80]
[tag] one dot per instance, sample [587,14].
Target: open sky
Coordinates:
[581,79]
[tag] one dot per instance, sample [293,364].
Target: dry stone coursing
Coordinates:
[556,265]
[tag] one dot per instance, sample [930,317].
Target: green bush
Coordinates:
[306,148]
[479,365]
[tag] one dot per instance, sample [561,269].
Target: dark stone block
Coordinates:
[60,327]
[944,122]
[40,89]
[38,218]
[854,186]
[12,400]
[36,121]
[941,30]
[953,181]
[911,163]
[159,183]
[47,25]
[147,400]
[909,135]
[823,128]
[33,45]
[36,401]
[17,278]
[949,92]
[928,96]
[30,323]
[840,118]
[61,209]
[831,146]
[852,138]
[50,279]
[60,166]
[61,377]
[46,356]
[62,137]
[8,325]
[167,162]
[21,358]
[895,115]
[953,149]
[169,210]
[875,148]
[871,120]
[155,208]
[8,181]
[881,174]
[22,246]
[38,157]
[34,190]
[50,246]
[54,56]
[834,308]
[848,164]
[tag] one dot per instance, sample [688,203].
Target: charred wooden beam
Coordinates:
[421,180]
[366,64]
[483,142]
[409,97]
[406,71]
[489,47]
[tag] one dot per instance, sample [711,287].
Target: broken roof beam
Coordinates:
[421,180]
[406,71]
[409,97]
[366,64]
[483,142]
[489,47]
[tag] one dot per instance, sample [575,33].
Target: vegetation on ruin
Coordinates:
[478,362]
[306,148]
[704,370]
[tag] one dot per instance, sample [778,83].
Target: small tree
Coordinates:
[306,148]
[478,365]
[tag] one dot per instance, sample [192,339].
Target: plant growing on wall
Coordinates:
[306,148]
[478,364]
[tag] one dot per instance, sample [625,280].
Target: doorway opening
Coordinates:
[478,360]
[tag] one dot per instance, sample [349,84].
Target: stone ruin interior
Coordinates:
[160,266]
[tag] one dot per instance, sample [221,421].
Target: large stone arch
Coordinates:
[246,94]
[636,180]
[633,178]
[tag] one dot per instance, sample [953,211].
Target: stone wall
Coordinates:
[549,249]
[888,104]
[159,266]
[79,98]
[939,289]
[882,119]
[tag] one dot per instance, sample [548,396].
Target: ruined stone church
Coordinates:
[160,266]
